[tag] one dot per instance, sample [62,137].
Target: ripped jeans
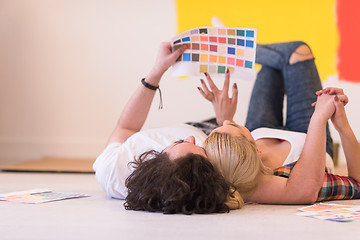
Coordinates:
[277,78]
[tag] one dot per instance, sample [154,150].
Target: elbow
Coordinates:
[312,198]
[309,197]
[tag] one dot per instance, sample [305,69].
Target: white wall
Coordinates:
[67,69]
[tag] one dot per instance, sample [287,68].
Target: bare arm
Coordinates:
[136,110]
[352,152]
[349,142]
[307,176]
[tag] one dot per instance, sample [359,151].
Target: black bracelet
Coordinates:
[151,87]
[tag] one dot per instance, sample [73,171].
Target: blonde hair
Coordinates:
[238,161]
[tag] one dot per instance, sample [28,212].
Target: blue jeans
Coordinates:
[276,78]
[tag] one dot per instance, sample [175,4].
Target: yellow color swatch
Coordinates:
[222,59]
[204,58]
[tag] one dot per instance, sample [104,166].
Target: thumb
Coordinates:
[338,104]
[176,54]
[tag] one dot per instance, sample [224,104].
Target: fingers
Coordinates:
[166,58]
[176,54]
[342,98]
[226,82]
[235,93]
[205,92]
[331,91]
[338,103]
[211,83]
[206,96]
[339,92]
[214,92]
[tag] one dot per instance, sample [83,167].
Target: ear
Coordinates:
[259,152]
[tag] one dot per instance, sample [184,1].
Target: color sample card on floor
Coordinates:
[214,50]
[38,196]
[331,212]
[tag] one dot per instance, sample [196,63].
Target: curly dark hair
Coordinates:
[187,185]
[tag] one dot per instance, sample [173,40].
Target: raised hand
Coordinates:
[165,59]
[335,91]
[325,107]
[339,118]
[224,106]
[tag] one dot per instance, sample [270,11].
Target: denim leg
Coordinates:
[300,81]
[276,55]
[266,102]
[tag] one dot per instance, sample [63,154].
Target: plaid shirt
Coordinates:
[334,187]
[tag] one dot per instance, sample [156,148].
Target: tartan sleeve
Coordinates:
[334,187]
[338,188]
[284,171]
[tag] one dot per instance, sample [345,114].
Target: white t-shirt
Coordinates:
[296,140]
[112,168]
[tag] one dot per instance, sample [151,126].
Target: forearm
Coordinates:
[307,176]
[352,152]
[136,110]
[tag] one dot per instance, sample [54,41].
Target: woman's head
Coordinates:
[189,184]
[236,157]
[234,129]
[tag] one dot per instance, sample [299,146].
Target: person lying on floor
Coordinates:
[171,175]
[268,161]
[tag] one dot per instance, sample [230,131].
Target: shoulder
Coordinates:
[270,189]
[278,190]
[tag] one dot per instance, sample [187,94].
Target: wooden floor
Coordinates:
[66,165]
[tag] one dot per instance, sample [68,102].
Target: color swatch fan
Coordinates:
[213,50]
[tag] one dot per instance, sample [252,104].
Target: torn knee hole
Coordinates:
[302,53]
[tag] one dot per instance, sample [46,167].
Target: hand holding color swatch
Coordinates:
[214,50]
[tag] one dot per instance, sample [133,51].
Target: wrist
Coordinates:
[153,88]
[319,118]
[154,77]
[342,126]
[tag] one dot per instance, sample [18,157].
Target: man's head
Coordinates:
[188,184]
[183,147]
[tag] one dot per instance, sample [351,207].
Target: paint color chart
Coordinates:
[38,196]
[331,212]
[214,50]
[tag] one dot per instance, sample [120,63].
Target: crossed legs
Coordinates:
[287,68]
